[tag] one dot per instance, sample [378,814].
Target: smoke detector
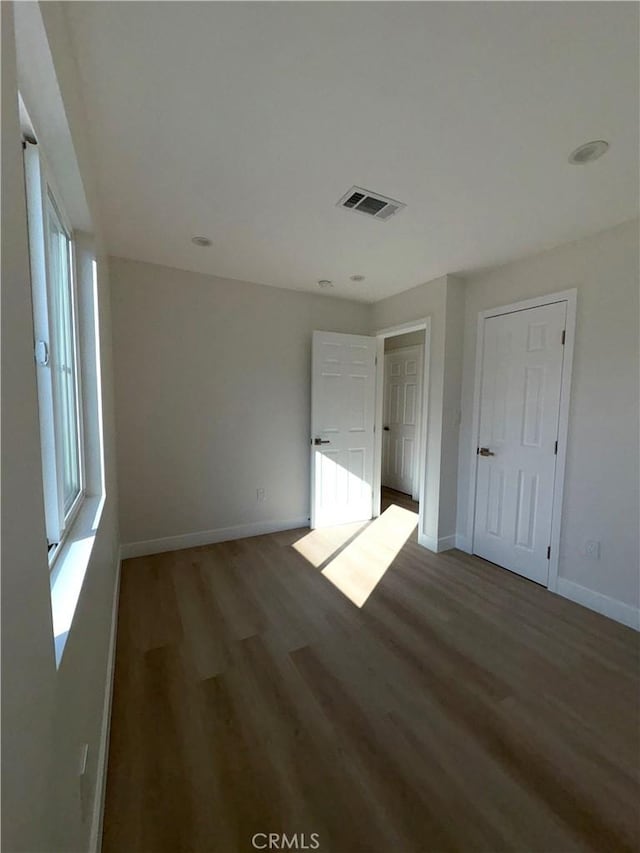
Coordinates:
[324,282]
[370,204]
[201,241]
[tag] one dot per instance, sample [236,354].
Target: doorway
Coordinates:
[402,368]
[402,381]
[347,389]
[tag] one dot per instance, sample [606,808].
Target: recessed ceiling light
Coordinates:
[588,152]
[356,277]
[324,282]
[201,241]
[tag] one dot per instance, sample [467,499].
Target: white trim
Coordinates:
[610,607]
[404,328]
[535,302]
[95,838]
[44,206]
[423,420]
[443,543]
[563,430]
[39,264]
[208,537]
[420,420]
[570,297]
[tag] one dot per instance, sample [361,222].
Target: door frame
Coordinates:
[423,415]
[570,297]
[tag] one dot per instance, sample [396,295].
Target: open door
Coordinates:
[342,418]
[401,413]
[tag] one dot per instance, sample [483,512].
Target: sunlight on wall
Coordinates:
[70,568]
[365,551]
[65,590]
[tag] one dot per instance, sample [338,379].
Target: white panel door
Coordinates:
[519,410]
[401,407]
[342,417]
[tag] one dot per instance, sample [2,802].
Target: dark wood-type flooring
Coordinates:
[461,708]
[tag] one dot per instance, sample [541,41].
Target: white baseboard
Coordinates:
[444,543]
[599,602]
[95,840]
[208,537]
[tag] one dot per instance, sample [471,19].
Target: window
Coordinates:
[56,350]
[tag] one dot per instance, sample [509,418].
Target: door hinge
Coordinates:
[549,552]
[376,361]
[564,336]
[555,449]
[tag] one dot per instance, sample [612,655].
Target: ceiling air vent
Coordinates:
[370,204]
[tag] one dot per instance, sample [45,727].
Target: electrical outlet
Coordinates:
[260,496]
[592,549]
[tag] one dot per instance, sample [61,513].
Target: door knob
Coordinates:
[321,441]
[484,451]
[386,429]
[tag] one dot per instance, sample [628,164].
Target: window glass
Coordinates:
[64,362]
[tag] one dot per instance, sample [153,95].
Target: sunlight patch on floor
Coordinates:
[319,545]
[358,568]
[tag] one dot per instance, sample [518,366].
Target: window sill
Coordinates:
[70,568]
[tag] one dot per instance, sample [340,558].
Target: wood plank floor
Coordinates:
[461,708]
[390,496]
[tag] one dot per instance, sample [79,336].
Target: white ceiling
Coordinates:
[246,122]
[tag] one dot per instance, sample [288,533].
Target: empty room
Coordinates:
[320,427]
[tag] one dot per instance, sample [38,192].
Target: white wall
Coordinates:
[28,666]
[441,300]
[46,713]
[601,483]
[451,391]
[213,398]
[200,428]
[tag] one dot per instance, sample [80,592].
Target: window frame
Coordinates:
[43,200]
[73,279]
